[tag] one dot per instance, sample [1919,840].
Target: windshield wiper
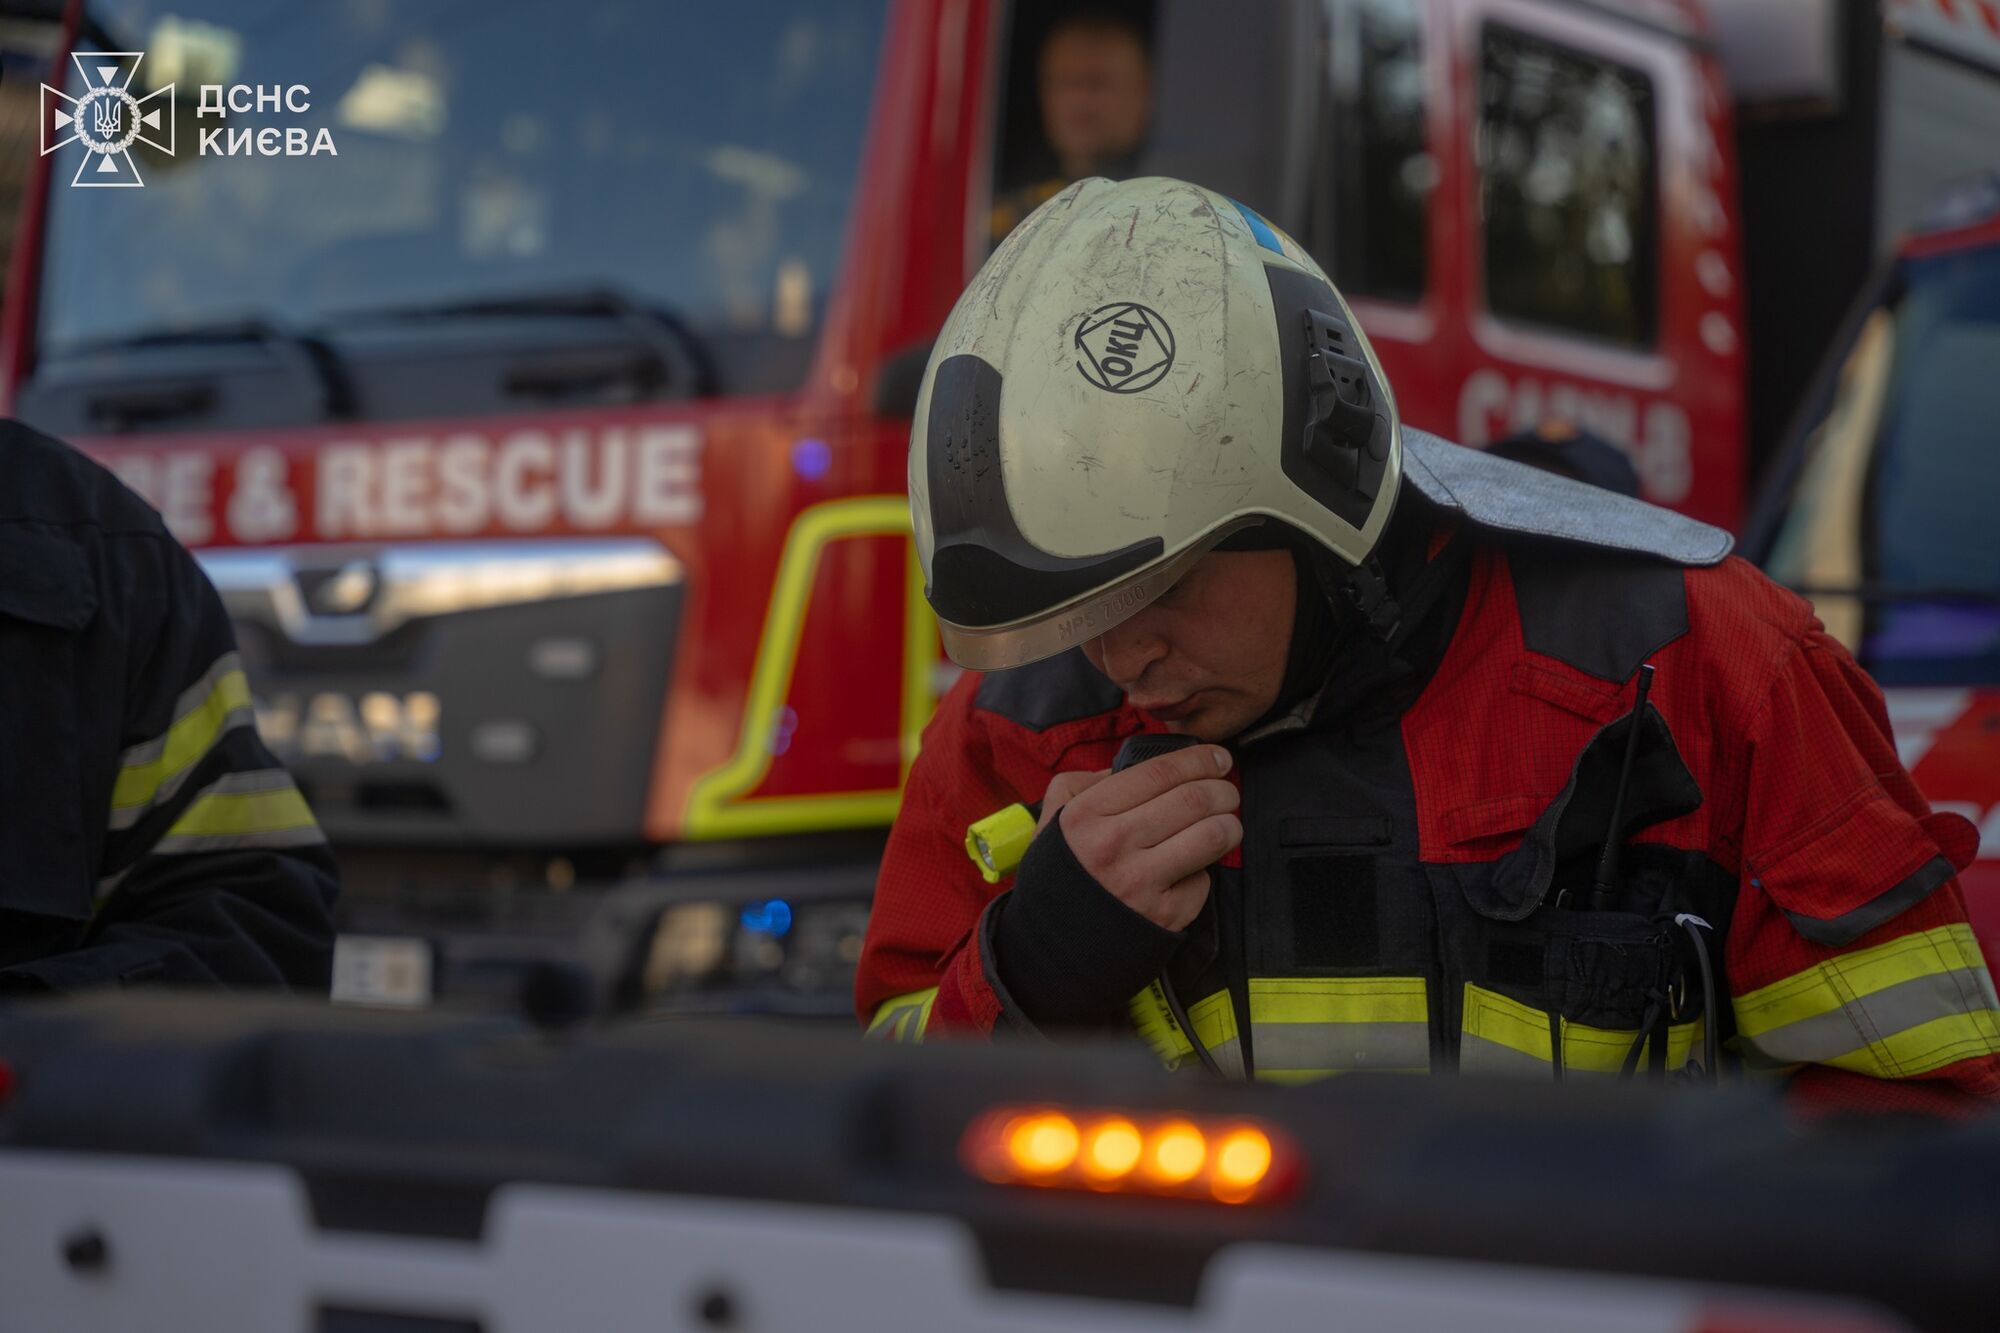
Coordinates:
[674,353]
[1902,592]
[314,359]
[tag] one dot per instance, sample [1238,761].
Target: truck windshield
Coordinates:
[697,158]
[1891,525]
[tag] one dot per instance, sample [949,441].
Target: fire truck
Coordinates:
[545,433]
[1881,512]
[1876,499]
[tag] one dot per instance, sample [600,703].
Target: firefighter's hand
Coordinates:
[1149,834]
[1064,787]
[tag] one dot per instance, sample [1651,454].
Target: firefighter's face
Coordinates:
[1096,94]
[1208,658]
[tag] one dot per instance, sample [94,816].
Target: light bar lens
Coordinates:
[1114,1152]
[1242,1161]
[1041,1145]
[1115,1148]
[1176,1152]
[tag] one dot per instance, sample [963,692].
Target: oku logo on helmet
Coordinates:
[1126,347]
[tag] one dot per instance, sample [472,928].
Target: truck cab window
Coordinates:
[1373,192]
[715,200]
[1077,101]
[1568,189]
[1889,524]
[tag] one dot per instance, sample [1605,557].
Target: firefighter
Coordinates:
[1556,446]
[1159,485]
[146,835]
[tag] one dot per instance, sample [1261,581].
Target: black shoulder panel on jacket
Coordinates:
[1601,611]
[1063,688]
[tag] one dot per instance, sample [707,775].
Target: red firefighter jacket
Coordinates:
[1395,904]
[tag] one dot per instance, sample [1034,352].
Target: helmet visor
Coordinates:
[1076,622]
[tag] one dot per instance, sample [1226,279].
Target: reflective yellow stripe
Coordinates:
[1306,1028]
[1214,1020]
[1506,1024]
[1338,1000]
[1897,1010]
[1155,1022]
[254,808]
[722,803]
[1819,989]
[147,767]
[236,814]
[903,1017]
[1500,1035]
[1302,1028]
[1927,1046]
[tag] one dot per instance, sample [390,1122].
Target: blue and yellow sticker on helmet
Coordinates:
[1266,234]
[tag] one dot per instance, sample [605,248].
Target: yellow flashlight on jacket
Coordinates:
[997,843]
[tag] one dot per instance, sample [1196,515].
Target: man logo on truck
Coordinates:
[107,119]
[1126,347]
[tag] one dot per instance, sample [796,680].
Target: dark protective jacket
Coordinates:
[1412,892]
[146,834]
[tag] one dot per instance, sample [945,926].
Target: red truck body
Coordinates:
[802,663]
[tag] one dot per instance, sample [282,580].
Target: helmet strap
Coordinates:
[1364,592]
[1335,601]
[1366,588]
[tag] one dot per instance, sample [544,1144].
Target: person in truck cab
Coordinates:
[1496,771]
[1556,446]
[146,835]
[1094,85]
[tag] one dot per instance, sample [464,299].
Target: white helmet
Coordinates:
[1141,369]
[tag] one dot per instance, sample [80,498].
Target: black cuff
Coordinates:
[1840,931]
[1066,952]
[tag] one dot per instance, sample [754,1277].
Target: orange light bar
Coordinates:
[1116,1152]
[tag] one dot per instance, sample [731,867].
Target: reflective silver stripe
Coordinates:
[253,808]
[1296,1034]
[190,699]
[903,1017]
[148,752]
[1873,1017]
[1213,1017]
[229,784]
[1588,1052]
[1341,1046]
[126,817]
[184,843]
[1228,1057]
[1478,1055]
[305,835]
[249,780]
